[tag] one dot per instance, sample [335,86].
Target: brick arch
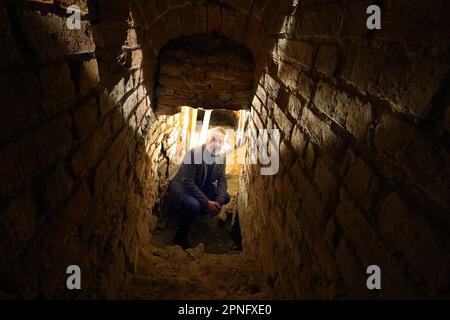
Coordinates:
[169,20]
[249,24]
[207,71]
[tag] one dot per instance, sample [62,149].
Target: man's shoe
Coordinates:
[181,241]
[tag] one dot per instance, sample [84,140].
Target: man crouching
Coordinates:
[200,185]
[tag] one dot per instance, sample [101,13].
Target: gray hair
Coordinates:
[216,129]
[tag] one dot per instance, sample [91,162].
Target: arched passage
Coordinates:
[205,71]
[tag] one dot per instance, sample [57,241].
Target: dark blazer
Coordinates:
[190,180]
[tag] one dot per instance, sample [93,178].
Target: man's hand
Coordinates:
[213,207]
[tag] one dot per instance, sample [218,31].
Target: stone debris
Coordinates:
[172,273]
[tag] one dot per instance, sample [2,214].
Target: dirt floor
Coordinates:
[172,273]
[214,268]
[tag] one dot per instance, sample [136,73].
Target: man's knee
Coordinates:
[192,205]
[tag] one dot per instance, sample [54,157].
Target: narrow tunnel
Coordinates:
[95,117]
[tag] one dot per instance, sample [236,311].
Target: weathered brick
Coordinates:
[56,85]
[325,179]
[227,21]
[312,211]
[82,4]
[288,75]
[326,60]
[281,119]
[115,11]
[142,110]
[201,20]
[172,82]
[360,180]
[239,25]
[271,86]
[446,120]
[86,119]
[310,156]
[298,141]
[354,20]
[58,228]
[399,23]
[8,54]
[424,162]
[89,151]
[408,83]
[305,86]
[256,120]
[55,189]
[261,94]
[33,153]
[161,6]
[351,271]
[49,36]
[322,22]
[213,18]
[130,104]
[255,35]
[294,107]
[20,219]
[359,231]
[405,228]
[101,177]
[118,149]
[89,77]
[348,111]
[321,133]
[105,33]
[296,52]
[173,23]
[305,252]
[206,72]
[132,39]
[105,103]
[136,58]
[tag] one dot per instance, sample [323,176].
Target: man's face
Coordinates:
[215,142]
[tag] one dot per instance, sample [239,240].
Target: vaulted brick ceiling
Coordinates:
[204,71]
[226,42]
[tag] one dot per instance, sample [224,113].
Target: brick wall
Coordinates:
[364,170]
[223,38]
[80,149]
[204,71]
[83,155]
